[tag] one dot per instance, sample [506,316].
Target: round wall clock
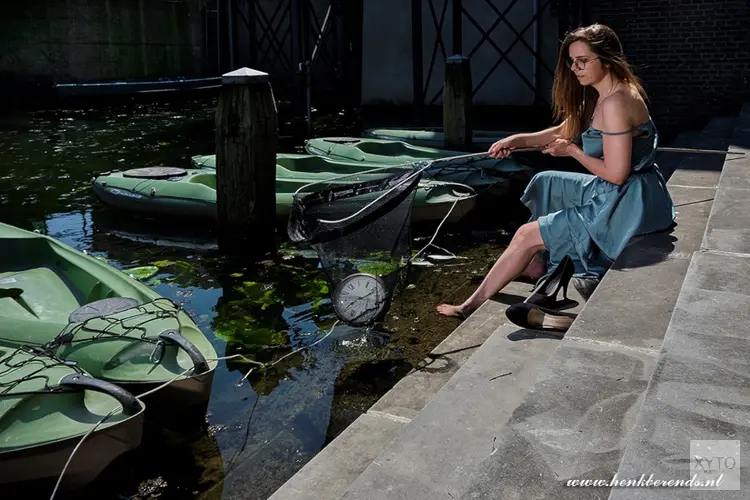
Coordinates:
[360,298]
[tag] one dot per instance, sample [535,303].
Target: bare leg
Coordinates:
[523,247]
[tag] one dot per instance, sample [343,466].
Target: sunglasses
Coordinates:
[579,64]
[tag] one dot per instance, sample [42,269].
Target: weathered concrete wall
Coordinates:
[387,51]
[65,41]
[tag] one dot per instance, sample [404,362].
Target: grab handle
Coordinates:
[174,337]
[130,405]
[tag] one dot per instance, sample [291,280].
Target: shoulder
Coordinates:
[616,112]
[618,103]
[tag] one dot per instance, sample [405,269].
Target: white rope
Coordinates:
[434,235]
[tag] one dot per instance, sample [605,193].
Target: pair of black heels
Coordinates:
[538,311]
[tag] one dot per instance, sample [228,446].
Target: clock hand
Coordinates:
[360,298]
[363,313]
[367,294]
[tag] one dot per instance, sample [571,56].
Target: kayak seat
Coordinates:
[314,165]
[44,295]
[384,148]
[208,180]
[100,291]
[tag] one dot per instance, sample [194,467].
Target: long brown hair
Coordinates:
[576,102]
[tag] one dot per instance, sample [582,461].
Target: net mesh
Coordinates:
[28,364]
[132,322]
[359,224]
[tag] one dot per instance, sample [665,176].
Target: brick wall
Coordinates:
[692,55]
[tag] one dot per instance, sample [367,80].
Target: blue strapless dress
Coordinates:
[591,219]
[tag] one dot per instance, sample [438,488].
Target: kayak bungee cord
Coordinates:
[44,360]
[68,333]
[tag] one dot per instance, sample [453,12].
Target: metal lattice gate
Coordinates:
[499,28]
[304,45]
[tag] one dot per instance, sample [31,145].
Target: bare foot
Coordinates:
[451,310]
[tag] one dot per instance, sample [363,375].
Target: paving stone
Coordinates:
[632,307]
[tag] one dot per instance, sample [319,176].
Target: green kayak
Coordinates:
[434,137]
[116,328]
[192,192]
[47,406]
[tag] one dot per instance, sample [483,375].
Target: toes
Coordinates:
[449,310]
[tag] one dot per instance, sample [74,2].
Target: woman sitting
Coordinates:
[588,217]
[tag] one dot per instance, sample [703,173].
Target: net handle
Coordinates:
[484,154]
[430,164]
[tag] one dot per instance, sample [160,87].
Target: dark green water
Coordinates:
[261,431]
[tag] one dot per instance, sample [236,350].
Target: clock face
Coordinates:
[360,298]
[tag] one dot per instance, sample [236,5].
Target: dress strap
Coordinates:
[618,133]
[642,126]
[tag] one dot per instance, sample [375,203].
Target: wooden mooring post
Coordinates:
[457,99]
[246,138]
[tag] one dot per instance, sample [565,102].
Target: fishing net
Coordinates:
[360,227]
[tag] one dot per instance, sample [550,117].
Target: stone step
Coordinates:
[570,404]
[669,161]
[728,228]
[701,169]
[699,390]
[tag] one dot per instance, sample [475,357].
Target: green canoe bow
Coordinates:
[116,328]
[47,406]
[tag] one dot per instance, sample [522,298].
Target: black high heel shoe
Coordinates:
[545,294]
[535,317]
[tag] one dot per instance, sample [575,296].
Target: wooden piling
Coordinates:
[246,138]
[457,99]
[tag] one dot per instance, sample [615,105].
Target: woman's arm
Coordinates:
[615,167]
[506,145]
[533,139]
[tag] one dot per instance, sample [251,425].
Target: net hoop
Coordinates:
[304,227]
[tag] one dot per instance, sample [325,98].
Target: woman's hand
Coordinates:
[560,147]
[502,148]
